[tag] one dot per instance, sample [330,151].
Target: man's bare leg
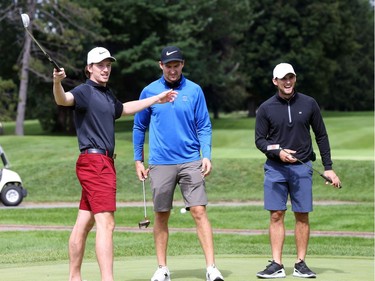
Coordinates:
[204,232]
[302,234]
[77,243]
[105,224]
[161,235]
[277,234]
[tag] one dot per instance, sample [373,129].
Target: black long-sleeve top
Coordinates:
[287,123]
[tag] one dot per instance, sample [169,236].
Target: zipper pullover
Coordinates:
[288,123]
[179,132]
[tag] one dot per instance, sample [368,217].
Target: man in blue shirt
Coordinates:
[179,153]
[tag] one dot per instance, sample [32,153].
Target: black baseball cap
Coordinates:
[171,53]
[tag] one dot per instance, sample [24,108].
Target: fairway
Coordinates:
[233,267]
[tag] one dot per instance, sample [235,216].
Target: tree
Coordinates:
[8,86]
[322,40]
[208,32]
[211,33]
[63,28]
[230,48]
[354,76]
[24,79]
[8,100]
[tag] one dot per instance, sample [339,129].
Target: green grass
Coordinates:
[46,163]
[50,246]
[49,175]
[346,217]
[190,267]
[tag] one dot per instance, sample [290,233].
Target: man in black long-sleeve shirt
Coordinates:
[282,133]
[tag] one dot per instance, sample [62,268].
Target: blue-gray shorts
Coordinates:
[281,180]
[164,179]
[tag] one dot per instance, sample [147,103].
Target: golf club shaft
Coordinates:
[45,53]
[310,167]
[144,198]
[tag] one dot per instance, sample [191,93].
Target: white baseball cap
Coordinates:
[98,54]
[282,69]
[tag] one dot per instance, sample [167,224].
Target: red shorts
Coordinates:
[97,175]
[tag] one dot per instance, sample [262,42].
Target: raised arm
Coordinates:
[133,107]
[61,97]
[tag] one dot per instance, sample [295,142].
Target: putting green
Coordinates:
[233,267]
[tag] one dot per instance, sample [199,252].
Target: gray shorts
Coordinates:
[164,179]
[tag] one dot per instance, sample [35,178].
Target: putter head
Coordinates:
[144,224]
[25,20]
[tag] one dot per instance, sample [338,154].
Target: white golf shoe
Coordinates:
[161,274]
[213,274]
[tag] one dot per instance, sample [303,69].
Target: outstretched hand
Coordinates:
[167,96]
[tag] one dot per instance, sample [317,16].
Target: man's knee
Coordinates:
[302,217]
[277,216]
[198,212]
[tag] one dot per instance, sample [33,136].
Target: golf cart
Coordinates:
[11,190]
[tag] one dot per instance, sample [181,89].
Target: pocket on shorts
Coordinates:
[192,173]
[90,163]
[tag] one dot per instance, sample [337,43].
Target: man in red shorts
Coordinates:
[96,109]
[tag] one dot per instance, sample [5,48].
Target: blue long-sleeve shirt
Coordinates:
[179,132]
[287,123]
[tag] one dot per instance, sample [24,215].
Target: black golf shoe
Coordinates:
[273,270]
[301,270]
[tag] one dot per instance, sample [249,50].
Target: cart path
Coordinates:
[14,227]
[35,205]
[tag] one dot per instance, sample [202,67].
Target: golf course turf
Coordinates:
[39,255]
[191,268]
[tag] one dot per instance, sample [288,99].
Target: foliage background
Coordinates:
[230,47]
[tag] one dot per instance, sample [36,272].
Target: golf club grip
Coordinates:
[326,178]
[320,174]
[329,180]
[54,64]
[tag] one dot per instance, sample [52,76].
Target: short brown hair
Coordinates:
[87,73]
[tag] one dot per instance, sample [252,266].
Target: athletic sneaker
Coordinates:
[273,270]
[301,270]
[161,274]
[213,274]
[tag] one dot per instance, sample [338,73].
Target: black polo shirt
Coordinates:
[288,123]
[95,112]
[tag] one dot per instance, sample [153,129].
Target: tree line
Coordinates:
[230,48]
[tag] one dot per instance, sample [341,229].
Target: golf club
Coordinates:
[26,22]
[272,147]
[146,222]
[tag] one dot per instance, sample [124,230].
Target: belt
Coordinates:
[97,151]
